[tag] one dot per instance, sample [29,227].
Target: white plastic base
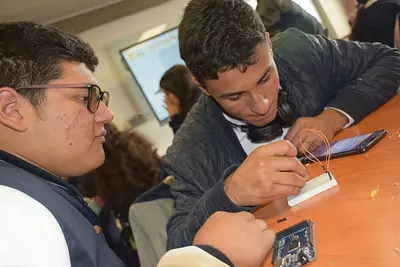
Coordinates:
[312,188]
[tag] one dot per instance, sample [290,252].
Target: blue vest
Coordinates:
[86,243]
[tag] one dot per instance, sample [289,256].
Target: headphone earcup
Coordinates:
[285,118]
[266,133]
[285,111]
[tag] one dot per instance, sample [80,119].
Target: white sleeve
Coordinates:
[189,256]
[29,233]
[350,118]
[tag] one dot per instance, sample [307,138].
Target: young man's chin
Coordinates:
[100,159]
[260,122]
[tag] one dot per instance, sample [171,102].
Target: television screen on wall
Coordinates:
[148,61]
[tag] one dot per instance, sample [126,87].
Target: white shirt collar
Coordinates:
[232,120]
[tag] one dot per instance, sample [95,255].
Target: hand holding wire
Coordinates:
[309,155]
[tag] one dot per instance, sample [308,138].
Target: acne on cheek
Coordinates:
[72,134]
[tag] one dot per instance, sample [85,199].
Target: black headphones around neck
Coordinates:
[285,117]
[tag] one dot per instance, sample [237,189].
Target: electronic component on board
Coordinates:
[295,246]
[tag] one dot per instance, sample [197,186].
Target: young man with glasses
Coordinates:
[52,117]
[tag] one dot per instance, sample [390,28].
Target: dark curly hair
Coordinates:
[219,35]
[31,53]
[131,167]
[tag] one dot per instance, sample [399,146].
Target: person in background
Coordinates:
[52,119]
[237,148]
[180,94]
[375,21]
[279,15]
[131,167]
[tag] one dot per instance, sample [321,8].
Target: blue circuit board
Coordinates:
[295,246]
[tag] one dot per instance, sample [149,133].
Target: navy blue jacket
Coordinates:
[76,219]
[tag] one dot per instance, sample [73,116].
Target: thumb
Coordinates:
[268,237]
[293,131]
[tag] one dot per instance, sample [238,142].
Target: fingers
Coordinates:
[293,132]
[268,238]
[174,99]
[279,148]
[285,190]
[246,215]
[296,135]
[289,179]
[310,147]
[261,224]
[286,164]
[311,142]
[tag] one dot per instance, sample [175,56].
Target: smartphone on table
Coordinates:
[350,146]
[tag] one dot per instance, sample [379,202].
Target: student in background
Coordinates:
[180,94]
[375,21]
[131,167]
[279,15]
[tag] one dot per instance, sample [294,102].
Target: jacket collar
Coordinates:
[22,164]
[64,189]
[218,121]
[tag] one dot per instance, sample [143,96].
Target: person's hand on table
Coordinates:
[269,172]
[242,238]
[329,122]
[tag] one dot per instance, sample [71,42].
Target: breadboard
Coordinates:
[313,187]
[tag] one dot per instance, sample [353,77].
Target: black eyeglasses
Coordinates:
[95,95]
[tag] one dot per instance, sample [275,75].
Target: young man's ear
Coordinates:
[201,86]
[11,114]
[269,43]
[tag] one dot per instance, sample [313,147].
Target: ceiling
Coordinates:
[72,15]
[48,11]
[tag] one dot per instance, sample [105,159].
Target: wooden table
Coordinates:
[352,228]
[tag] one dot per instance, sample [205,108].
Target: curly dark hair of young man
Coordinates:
[131,167]
[31,53]
[219,35]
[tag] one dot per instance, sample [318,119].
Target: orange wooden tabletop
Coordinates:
[351,227]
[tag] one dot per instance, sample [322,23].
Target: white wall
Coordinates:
[310,8]
[334,17]
[124,101]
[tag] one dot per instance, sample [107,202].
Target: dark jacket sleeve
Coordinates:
[217,254]
[354,77]
[193,202]
[365,75]
[175,123]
